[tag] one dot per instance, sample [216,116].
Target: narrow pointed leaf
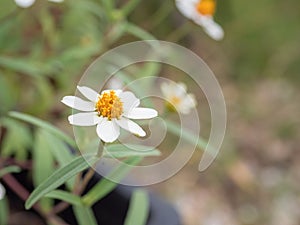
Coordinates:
[9,169]
[122,151]
[138,211]
[58,178]
[44,125]
[84,215]
[60,151]
[186,135]
[65,196]
[105,185]
[4,211]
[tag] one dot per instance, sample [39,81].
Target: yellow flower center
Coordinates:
[206,7]
[109,105]
[173,103]
[175,100]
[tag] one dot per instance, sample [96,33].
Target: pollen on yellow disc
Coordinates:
[109,105]
[206,7]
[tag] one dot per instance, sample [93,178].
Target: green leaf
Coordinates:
[3,211]
[9,169]
[41,92]
[22,65]
[17,140]
[65,196]
[116,32]
[130,6]
[59,177]
[44,125]
[128,150]
[139,208]
[139,32]
[8,93]
[105,185]
[84,215]
[108,6]
[185,134]
[43,165]
[150,69]
[60,151]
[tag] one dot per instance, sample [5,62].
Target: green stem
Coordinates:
[160,15]
[128,8]
[180,32]
[79,185]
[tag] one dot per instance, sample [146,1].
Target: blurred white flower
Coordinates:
[2,191]
[176,96]
[109,110]
[28,3]
[202,12]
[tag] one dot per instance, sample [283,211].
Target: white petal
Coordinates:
[55,0]
[131,127]
[108,131]
[190,101]
[173,90]
[187,104]
[89,93]
[129,101]
[141,113]
[187,7]
[24,3]
[79,104]
[213,29]
[2,191]
[167,90]
[180,89]
[85,119]
[118,91]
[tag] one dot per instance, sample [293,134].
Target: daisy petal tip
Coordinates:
[107,139]
[152,113]
[70,119]
[142,134]
[63,100]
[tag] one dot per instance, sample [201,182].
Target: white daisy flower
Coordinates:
[2,191]
[109,110]
[177,98]
[201,12]
[28,3]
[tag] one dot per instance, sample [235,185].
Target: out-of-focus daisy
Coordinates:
[28,3]
[177,98]
[202,12]
[2,191]
[109,110]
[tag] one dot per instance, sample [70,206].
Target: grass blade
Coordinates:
[65,196]
[9,169]
[84,215]
[44,125]
[138,211]
[105,186]
[58,178]
[124,151]
[185,134]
